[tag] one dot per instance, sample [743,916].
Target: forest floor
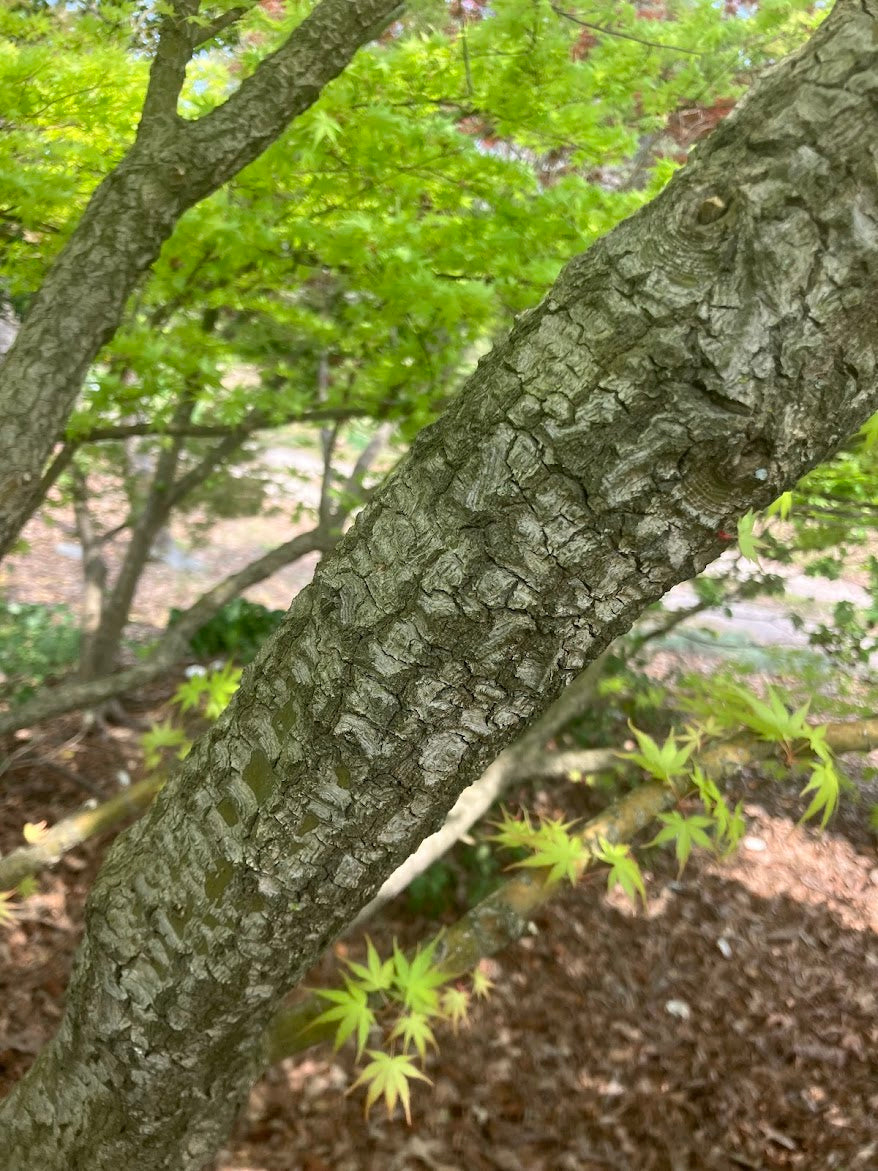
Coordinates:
[732,1023]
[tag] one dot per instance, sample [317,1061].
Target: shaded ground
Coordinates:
[734,1024]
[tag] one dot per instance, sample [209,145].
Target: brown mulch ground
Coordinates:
[734,1024]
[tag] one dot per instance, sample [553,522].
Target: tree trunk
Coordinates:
[171,166]
[694,363]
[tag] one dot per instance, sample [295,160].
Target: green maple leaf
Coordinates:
[413,1029]
[555,849]
[624,870]
[417,980]
[160,736]
[374,976]
[749,544]
[351,1012]
[684,832]
[388,1076]
[665,762]
[188,694]
[781,507]
[513,833]
[825,784]
[483,984]
[455,1006]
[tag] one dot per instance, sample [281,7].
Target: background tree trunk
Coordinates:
[692,364]
[171,166]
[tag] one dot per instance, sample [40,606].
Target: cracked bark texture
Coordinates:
[694,363]
[172,164]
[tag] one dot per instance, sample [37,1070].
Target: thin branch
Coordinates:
[504,916]
[73,831]
[60,462]
[329,442]
[173,644]
[257,421]
[614,32]
[366,458]
[674,619]
[219,23]
[284,84]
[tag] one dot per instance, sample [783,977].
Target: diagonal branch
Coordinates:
[173,643]
[172,165]
[614,32]
[504,916]
[219,23]
[284,84]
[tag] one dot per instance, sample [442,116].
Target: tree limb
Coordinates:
[504,916]
[172,165]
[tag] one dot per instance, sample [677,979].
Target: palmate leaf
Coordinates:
[665,762]
[555,849]
[188,694]
[684,832]
[514,833]
[749,544]
[455,1007]
[483,984]
[825,784]
[781,507]
[729,825]
[770,718]
[351,1012]
[163,735]
[8,909]
[388,1076]
[415,981]
[624,870]
[374,976]
[221,686]
[413,1029]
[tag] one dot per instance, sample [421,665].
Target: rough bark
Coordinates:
[519,761]
[172,165]
[691,365]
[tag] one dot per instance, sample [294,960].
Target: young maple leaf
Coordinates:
[387,1076]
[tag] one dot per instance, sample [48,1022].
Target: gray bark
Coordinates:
[520,761]
[692,364]
[172,165]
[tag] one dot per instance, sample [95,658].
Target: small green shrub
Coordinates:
[237,631]
[37,643]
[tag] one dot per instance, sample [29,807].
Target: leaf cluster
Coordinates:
[402,998]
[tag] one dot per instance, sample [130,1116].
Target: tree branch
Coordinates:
[614,32]
[173,644]
[66,835]
[168,70]
[172,165]
[219,23]
[283,85]
[504,916]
